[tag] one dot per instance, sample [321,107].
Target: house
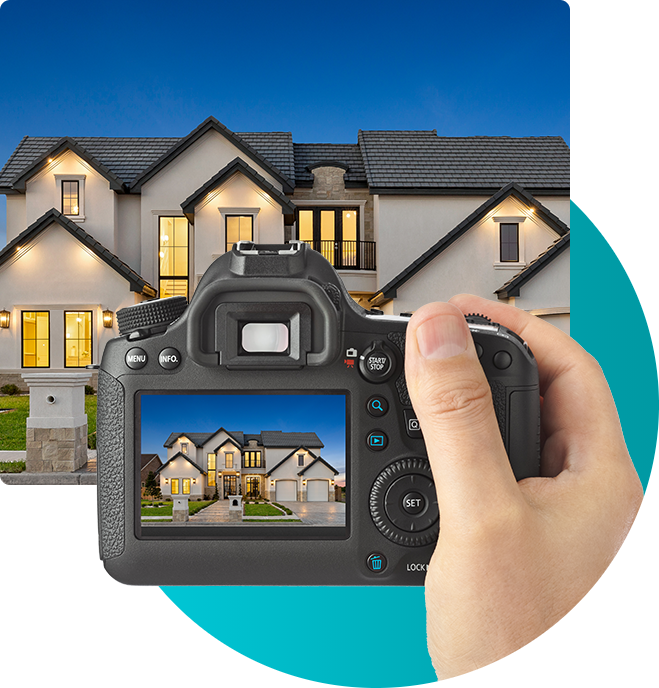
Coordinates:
[95,224]
[149,463]
[280,466]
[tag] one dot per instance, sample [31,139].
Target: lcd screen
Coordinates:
[224,462]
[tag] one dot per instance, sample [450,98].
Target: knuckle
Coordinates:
[469,399]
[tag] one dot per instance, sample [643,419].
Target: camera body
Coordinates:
[280,407]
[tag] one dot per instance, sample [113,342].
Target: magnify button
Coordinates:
[377,406]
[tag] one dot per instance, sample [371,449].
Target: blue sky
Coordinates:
[321,70]
[323,414]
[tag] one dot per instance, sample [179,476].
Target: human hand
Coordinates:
[513,558]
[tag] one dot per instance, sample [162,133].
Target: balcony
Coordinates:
[347,255]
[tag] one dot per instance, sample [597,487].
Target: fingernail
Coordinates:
[442,337]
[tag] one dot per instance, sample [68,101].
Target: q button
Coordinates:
[169,358]
[377,406]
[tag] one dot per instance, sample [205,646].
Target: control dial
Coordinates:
[403,503]
[150,317]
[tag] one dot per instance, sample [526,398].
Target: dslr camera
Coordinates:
[264,434]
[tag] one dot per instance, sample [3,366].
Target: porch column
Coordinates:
[56,429]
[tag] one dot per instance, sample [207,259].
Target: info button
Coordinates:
[169,359]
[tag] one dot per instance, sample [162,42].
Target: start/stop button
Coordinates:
[377,363]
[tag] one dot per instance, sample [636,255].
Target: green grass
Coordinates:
[280,520]
[12,424]
[166,508]
[12,466]
[261,510]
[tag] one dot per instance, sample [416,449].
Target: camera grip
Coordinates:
[110,442]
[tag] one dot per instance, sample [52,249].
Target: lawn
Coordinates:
[165,508]
[12,424]
[262,510]
[12,466]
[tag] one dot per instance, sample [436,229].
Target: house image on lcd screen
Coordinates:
[280,466]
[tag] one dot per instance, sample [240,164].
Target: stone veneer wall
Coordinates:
[329,185]
[56,450]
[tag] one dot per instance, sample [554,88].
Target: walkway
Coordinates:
[217,512]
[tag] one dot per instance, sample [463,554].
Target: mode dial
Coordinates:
[150,317]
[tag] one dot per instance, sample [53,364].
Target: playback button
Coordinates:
[377,440]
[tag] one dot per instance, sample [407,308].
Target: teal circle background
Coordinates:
[376,637]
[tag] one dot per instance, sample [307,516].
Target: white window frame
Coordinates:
[254,212]
[80,178]
[509,265]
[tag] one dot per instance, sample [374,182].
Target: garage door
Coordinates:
[286,491]
[318,491]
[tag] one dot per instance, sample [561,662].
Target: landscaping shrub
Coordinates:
[89,389]
[10,389]
[91,441]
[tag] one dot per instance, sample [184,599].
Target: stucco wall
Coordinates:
[128,232]
[289,469]
[16,217]
[550,288]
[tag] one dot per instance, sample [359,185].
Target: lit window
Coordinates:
[186,485]
[174,486]
[77,339]
[228,460]
[70,197]
[239,228]
[334,232]
[211,470]
[36,339]
[300,459]
[184,447]
[252,487]
[252,459]
[173,256]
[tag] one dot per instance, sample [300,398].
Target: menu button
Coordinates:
[136,358]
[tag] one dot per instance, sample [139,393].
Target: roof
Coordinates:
[186,457]
[137,283]
[513,189]
[385,161]
[399,160]
[146,459]
[321,460]
[288,456]
[266,438]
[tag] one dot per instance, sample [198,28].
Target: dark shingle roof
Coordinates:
[423,160]
[187,458]
[309,154]
[267,438]
[386,160]
[146,459]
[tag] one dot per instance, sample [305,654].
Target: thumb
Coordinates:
[453,402]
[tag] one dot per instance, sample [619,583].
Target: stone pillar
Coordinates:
[56,430]
[180,509]
[235,508]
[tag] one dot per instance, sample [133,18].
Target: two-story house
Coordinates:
[280,466]
[95,224]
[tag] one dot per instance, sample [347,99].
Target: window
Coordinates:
[333,232]
[228,460]
[184,447]
[186,486]
[211,470]
[70,197]
[77,339]
[174,486]
[239,228]
[173,256]
[300,459]
[36,339]
[252,459]
[509,242]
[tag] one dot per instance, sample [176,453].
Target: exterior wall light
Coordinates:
[166,481]
[194,481]
[108,318]
[5,319]
[304,482]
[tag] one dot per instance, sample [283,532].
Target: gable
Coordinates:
[211,146]
[67,259]
[529,206]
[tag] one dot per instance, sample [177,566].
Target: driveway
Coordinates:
[319,513]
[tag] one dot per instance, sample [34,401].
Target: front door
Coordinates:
[230,485]
[252,489]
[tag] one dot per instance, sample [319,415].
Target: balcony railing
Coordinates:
[347,255]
